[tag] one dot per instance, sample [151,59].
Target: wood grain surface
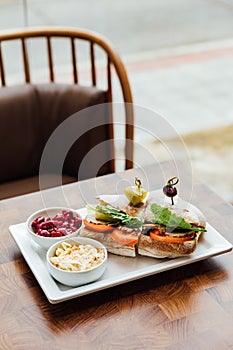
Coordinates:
[185,308]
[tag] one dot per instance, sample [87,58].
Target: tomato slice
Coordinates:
[97,227]
[155,234]
[130,238]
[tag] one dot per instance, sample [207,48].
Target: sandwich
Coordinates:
[149,226]
[170,231]
[113,227]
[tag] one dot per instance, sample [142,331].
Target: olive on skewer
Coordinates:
[136,194]
[169,190]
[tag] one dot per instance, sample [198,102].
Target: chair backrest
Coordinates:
[114,65]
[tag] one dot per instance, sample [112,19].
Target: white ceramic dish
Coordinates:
[46,242]
[119,269]
[77,278]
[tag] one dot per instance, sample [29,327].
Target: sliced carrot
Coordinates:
[169,239]
[130,238]
[97,227]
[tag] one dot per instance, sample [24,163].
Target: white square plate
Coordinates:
[119,269]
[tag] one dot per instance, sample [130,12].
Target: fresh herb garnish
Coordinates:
[111,214]
[163,216]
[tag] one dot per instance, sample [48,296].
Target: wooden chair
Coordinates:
[95,94]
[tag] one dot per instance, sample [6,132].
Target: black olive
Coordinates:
[169,190]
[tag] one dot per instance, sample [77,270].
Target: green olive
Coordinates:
[136,194]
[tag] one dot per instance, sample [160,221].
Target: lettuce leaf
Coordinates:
[163,216]
[114,215]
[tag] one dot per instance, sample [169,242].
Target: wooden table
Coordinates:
[186,308]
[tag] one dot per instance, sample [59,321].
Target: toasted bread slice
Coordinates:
[158,249]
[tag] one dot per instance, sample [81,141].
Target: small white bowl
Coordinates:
[77,278]
[46,242]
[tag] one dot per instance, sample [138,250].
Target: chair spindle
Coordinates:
[93,72]
[25,61]
[74,61]
[2,72]
[50,59]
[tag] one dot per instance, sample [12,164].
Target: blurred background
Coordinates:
[179,57]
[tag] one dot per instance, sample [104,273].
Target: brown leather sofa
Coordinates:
[28,116]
